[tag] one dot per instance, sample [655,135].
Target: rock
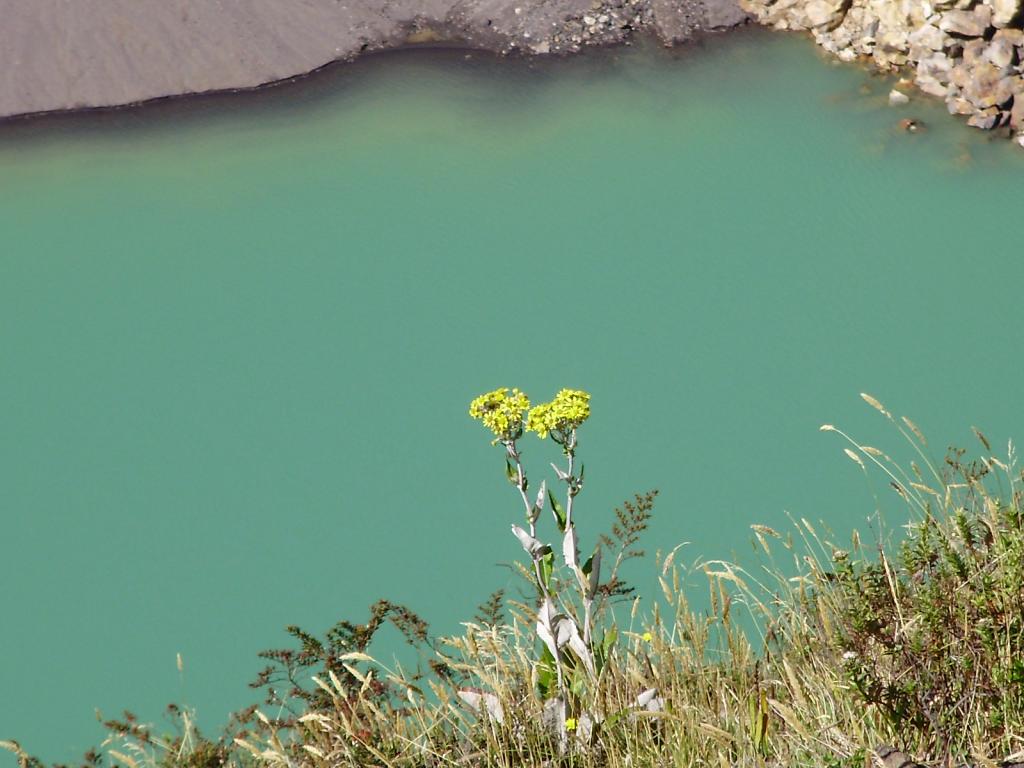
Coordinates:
[910,125]
[894,24]
[1011,36]
[969,52]
[971,23]
[677,22]
[893,758]
[958,105]
[1019,140]
[1004,11]
[1017,112]
[933,74]
[973,52]
[826,14]
[960,75]
[932,86]
[1001,53]
[888,59]
[723,14]
[856,31]
[988,87]
[928,36]
[986,119]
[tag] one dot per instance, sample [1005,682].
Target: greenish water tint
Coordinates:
[238,338]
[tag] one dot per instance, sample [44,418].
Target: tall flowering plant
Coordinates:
[569,659]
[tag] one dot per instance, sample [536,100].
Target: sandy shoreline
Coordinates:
[88,54]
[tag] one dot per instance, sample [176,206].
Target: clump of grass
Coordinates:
[818,656]
[933,632]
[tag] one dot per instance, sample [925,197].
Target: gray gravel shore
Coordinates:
[79,54]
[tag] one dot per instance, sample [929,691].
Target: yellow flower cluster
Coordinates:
[501,412]
[569,409]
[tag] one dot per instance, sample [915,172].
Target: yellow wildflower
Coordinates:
[539,419]
[569,409]
[647,637]
[501,412]
[570,723]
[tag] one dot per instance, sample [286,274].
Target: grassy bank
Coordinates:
[820,654]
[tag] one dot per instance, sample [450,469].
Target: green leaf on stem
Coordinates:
[559,510]
[547,677]
[578,685]
[602,650]
[612,721]
[547,565]
[592,571]
[608,640]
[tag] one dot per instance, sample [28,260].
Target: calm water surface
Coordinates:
[238,339]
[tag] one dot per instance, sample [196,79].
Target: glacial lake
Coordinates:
[238,338]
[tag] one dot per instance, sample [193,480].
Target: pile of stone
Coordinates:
[604,24]
[969,52]
[611,22]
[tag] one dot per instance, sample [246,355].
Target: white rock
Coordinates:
[986,120]
[1012,36]
[928,36]
[933,74]
[932,85]
[1017,112]
[986,88]
[1003,11]
[969,23]
[896,98]
[825,14]
[1000,53]
[959,106]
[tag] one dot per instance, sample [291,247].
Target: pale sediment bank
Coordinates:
[968,52]
[57,55]
[64,56]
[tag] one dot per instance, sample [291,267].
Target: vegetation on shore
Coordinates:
[815,657]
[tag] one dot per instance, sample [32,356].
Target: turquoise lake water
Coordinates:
[238,338]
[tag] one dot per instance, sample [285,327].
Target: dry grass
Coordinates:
[815,657]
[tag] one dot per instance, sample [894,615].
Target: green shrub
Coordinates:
[934,635]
